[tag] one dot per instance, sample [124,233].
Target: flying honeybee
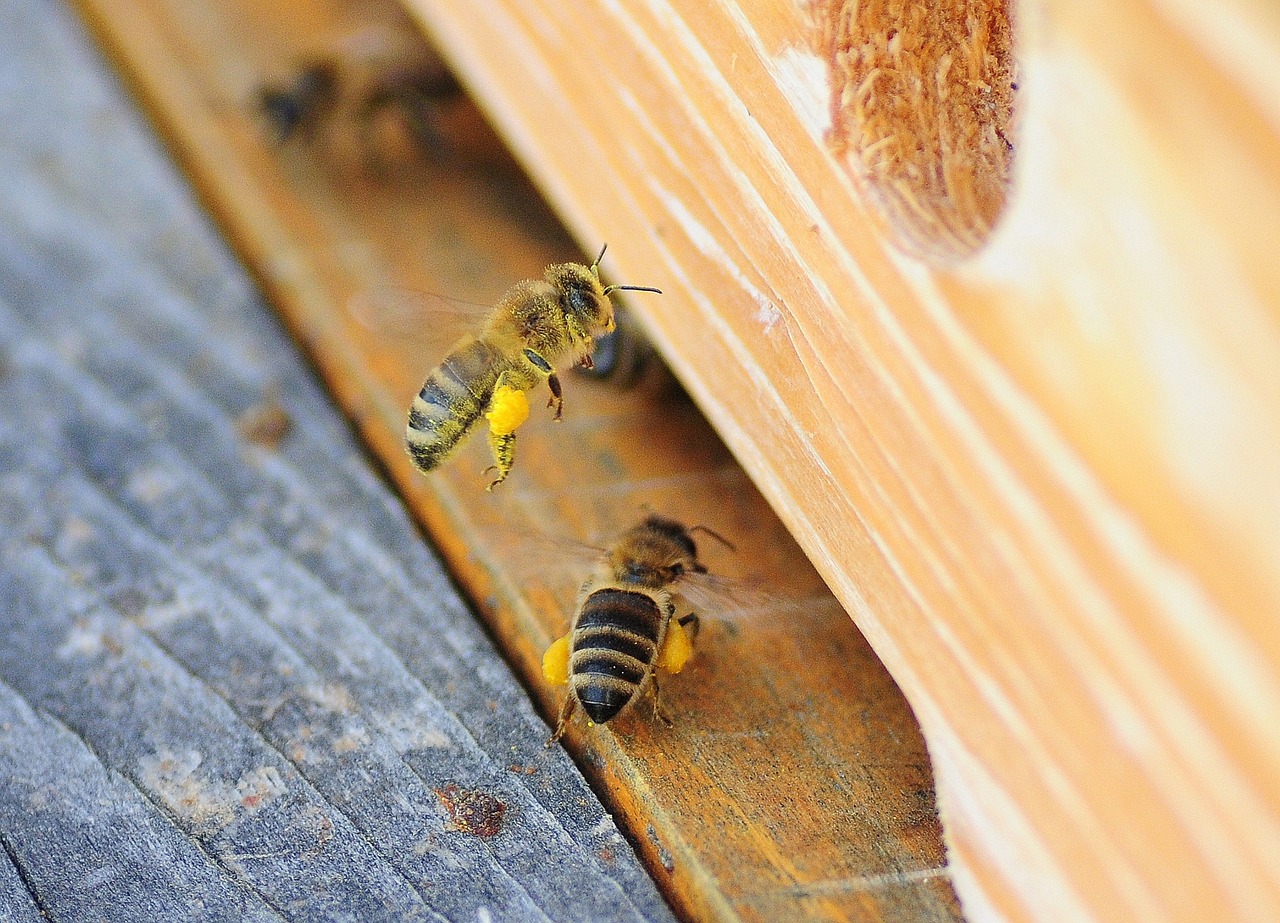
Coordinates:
[538,324]
[633,618]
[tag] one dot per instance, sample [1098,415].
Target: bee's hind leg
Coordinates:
[503,447]
[566,711]
[658,712]
[507,409]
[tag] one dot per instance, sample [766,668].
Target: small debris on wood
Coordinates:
[472,811]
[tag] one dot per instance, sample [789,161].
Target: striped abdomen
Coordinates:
[451,401]
[614,648]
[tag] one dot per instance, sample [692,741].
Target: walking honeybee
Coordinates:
[382,69]
[628,623]
[536,326]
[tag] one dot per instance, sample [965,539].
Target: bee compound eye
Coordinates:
[578,301]
[583,303]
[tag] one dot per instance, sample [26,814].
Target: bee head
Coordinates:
[674,532]
[681,550]
[584,299]
[654,553]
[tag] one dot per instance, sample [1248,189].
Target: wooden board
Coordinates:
[207,711]
[794,783]
[1031,445]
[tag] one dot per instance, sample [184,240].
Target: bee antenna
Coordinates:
[716,535]
[631,288]
[600,257]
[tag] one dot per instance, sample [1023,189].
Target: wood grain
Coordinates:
[794,784]
[1042,479]
[235,682]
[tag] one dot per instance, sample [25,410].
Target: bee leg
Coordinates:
[503,447]
[556,400]
[691,624]
[566,710]
[677,646]
[658,713]
[508,408]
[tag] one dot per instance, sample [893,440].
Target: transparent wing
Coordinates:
[733,599]
[533,557]
[417,322]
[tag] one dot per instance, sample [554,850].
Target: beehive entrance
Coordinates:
[922,99]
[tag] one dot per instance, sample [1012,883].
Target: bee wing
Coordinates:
[417,322]
[535,557]
[717,597]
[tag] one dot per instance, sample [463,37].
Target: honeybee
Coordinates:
[382,68]
[536,326]
[296,107]
[627,625]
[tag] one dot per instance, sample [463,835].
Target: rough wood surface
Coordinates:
[1042,480]
[235,684]
[794,784]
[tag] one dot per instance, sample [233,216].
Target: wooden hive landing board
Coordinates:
[794,783]
[235,684]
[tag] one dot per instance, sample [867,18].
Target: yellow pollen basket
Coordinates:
[676,648]
[508,408]
[555,662]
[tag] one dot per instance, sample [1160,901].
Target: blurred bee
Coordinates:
[298,106]
[382,69]
[626,360]
[537,325]
[626,626]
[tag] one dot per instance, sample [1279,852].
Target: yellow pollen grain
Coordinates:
[676,648]
[555,662]
[507,410]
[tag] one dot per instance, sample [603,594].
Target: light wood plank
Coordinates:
[1042,478]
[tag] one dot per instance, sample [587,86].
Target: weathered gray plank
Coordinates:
[17,898]
[105,847]
[249,684]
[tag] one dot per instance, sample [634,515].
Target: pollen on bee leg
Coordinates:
[677,648]
[555,662]
[503,447]
[508,408]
